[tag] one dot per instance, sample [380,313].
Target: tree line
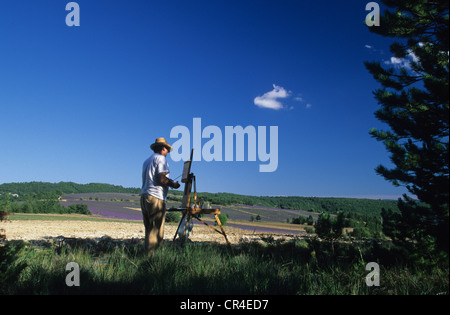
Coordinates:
[313,204]
[45,189]
[35,205]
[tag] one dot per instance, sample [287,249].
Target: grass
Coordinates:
[272,267]
[259,268]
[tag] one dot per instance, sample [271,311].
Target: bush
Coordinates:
[223,219]
[172,216]
[361,232]
[33,205]
[303,220]
[309,230]
[79,209]
[299,220]
[329,229]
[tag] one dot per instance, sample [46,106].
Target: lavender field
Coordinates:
[108,205]
[127,207]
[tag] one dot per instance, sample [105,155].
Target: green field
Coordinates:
[272,267]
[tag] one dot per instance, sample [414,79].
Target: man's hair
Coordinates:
[158,148]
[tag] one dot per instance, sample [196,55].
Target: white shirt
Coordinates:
[151,169]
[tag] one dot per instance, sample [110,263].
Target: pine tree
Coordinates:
[414,101]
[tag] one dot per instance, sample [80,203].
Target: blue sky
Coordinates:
[83,103]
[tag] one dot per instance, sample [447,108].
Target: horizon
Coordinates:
[388,198]
[84,103]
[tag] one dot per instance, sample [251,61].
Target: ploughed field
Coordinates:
[51,228]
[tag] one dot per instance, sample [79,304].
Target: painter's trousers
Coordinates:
[153,215]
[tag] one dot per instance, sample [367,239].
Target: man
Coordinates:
[155,185]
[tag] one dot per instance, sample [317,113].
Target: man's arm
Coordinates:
[167,182]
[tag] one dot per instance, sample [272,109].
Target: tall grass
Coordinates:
[294,267]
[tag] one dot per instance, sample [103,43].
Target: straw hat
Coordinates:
[161,142]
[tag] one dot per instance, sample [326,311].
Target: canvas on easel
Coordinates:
[186,171]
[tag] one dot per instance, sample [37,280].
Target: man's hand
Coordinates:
[165,181]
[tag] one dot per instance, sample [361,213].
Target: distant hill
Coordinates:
[23,189]
[312,204]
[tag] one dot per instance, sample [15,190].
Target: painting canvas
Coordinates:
[186,171]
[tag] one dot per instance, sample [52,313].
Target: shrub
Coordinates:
[79,208]
[172,216]
[309,230]
[223,219]
[329,229]
[361,232]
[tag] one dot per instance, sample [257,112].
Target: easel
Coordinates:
[194,210]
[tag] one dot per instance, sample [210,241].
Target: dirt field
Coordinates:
[40,230]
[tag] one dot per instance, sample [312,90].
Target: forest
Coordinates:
[45,190]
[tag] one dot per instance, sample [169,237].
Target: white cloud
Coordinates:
[308,106]
[270,99]
[403,62]
[413,56]
[395,61]
[368,46]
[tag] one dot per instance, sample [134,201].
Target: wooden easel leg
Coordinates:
[185,227]
[179,224]
[222,229]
